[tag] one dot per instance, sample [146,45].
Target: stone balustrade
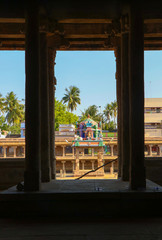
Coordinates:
[15,148]
[65,155]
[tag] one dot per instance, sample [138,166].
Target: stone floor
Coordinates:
[111,229]
[88,185]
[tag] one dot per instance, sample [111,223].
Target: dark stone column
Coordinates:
[118,88]
[125,98]
[44,104]
[136,43]
[32,91]
[52,83]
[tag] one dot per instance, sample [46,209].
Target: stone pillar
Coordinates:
[63,168]
[44,105]
[83,152]
[4,151]
[92,152]
[112,150]
[119,117]
[82,164]
[92,161]
[125,98]
[63,151]
[136,86]
[14,148]
[100,158]
[77,160]
[112,168]
[52,83]
[32,106]
[150,150]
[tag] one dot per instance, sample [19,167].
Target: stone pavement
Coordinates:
[88,185]
[109,229]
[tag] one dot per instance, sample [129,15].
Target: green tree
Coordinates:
[15,129]
[22,111]
[92,111]
[72,98]
[62,116]
[114,109]
[13,108]
[108,112]
[2,99]
[3,124]
[109,126]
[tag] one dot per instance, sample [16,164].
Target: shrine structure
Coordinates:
[89,129]
[89,138]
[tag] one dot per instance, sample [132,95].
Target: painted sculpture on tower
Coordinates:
[88,130]
[88,138]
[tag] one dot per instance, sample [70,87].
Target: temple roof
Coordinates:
[77,26]
[88,121]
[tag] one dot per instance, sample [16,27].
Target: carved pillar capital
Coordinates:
[114,37]
[125,24]
[58,41]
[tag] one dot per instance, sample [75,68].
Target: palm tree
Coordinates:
[22,109]
[114,108]
[108,111]
[14,110]
[22,112]
[72,98]
[92,111]
[2,99]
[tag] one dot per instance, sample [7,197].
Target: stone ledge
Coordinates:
[83,198]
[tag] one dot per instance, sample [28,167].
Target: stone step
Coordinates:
[83,199]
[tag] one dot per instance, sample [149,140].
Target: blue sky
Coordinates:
[93,72]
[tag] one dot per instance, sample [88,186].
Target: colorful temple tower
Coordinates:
[89,137]
[89,130]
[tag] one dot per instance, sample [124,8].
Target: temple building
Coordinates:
[77,151]
[153,117]
[68,129]
[42,28]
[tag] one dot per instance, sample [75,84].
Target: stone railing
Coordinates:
[15,147]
